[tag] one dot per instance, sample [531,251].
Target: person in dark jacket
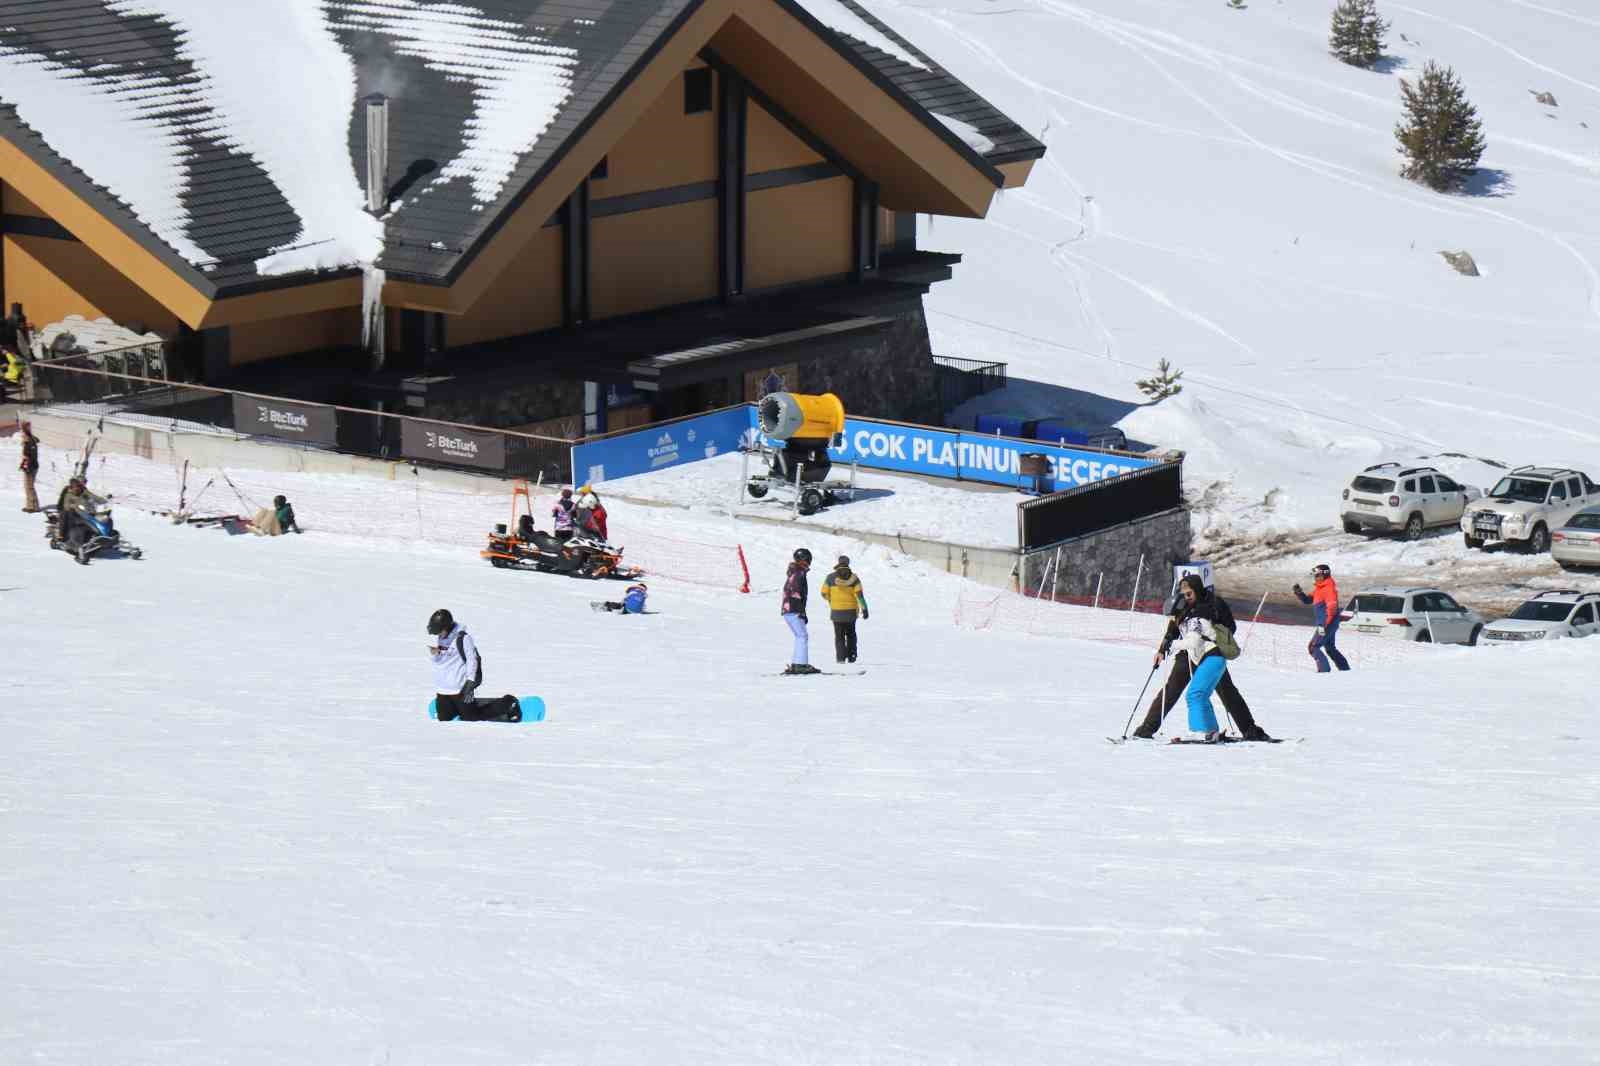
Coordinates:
[1178,679]
[845,598]
[1194,625]
[29,468]
[562,512]
[793,609]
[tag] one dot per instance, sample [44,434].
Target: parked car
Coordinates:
[1526,504]
[1426,615]
[1392,498]
[1549,616]
[1578,542]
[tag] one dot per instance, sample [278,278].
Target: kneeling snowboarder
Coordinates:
[457,673]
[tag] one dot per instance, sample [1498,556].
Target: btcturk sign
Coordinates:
[261,417]
[439,442]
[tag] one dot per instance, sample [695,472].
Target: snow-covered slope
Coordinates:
[1221,192]
[228,832]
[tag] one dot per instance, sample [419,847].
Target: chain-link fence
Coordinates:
[78,386]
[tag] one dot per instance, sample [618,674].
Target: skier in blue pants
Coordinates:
[1195,626]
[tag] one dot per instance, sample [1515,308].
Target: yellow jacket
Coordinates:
[844,595]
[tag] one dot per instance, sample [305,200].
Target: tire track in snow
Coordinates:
[1555,11]
[1493,42]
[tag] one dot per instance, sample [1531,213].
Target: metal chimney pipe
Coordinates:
[377,153]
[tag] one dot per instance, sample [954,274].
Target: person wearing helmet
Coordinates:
[846,599]
[591,515]
[632,600]
[793,609]
[1324,600]
[457,673]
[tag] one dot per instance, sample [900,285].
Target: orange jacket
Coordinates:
[1324,598]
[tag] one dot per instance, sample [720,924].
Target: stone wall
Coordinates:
[888,373]
[1162,540]
[481,401]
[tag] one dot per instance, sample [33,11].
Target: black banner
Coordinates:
[283,418]
[441,443]
[1086,509]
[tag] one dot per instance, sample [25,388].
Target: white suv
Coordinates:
[1421,614]
[1526,504]
[1391,498]
[1549,616]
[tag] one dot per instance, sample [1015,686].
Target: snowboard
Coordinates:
[826,673]
[532,710]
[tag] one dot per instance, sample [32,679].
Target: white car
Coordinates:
[1526,505]
[1549,616]
[1391,498]
[1421,614]
[1578,542]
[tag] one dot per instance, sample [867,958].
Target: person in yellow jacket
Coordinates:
[845,598]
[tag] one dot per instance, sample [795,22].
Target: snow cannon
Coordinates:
[807,426]
[800,430]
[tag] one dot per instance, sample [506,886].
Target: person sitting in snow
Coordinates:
[72,527]
[275,520]
[632,600]
[562,513]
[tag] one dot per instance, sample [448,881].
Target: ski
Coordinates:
[825,673]
[1224,740]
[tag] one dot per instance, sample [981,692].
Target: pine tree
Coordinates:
[1356,36]
[1237,5]
[1162,384]
[1441,136]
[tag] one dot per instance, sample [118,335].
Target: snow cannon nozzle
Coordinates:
[789,416]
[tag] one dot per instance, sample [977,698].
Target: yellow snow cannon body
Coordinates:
[790,416]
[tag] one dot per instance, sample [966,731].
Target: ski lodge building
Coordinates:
[561,216]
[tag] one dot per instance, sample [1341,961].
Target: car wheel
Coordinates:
[810,501]
[1470,541]
[1539,542]
[1352,527]
[1472,641]
[1566,566]
[1424,637]
[1414,527]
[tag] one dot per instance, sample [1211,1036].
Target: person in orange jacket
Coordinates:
[1324,599]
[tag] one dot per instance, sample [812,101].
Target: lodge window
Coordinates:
[697,91]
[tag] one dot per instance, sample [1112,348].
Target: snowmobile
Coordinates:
[103,535]
[520,546]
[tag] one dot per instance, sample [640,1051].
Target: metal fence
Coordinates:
[67,387]
[962,379]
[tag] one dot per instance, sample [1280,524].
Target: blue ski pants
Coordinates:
[1324,643]
[802,639]
[1202,719]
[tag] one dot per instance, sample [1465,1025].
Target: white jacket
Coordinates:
[1199,636]
[454,665]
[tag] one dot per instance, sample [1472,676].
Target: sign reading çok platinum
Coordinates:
[257,416]
[441,443]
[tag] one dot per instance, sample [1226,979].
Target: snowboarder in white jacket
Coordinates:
[457,673]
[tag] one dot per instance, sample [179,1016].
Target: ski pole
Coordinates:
[1140,700]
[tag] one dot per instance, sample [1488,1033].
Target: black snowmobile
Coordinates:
[103,536]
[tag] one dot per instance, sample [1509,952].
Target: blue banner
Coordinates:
[673,444]
[974,457]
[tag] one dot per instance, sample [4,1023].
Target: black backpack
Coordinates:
[461,650]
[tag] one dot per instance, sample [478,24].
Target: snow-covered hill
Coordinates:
[1223,193]
[228,832]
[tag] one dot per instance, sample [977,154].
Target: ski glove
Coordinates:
[1322,631]
[804,620]
[864,615]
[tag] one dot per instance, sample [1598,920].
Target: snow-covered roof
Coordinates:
[225,136]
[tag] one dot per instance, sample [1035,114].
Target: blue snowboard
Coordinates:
[532,709]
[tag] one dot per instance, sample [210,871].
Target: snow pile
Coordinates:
[967,132]
[839,18]
[519,80]
[117,130]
